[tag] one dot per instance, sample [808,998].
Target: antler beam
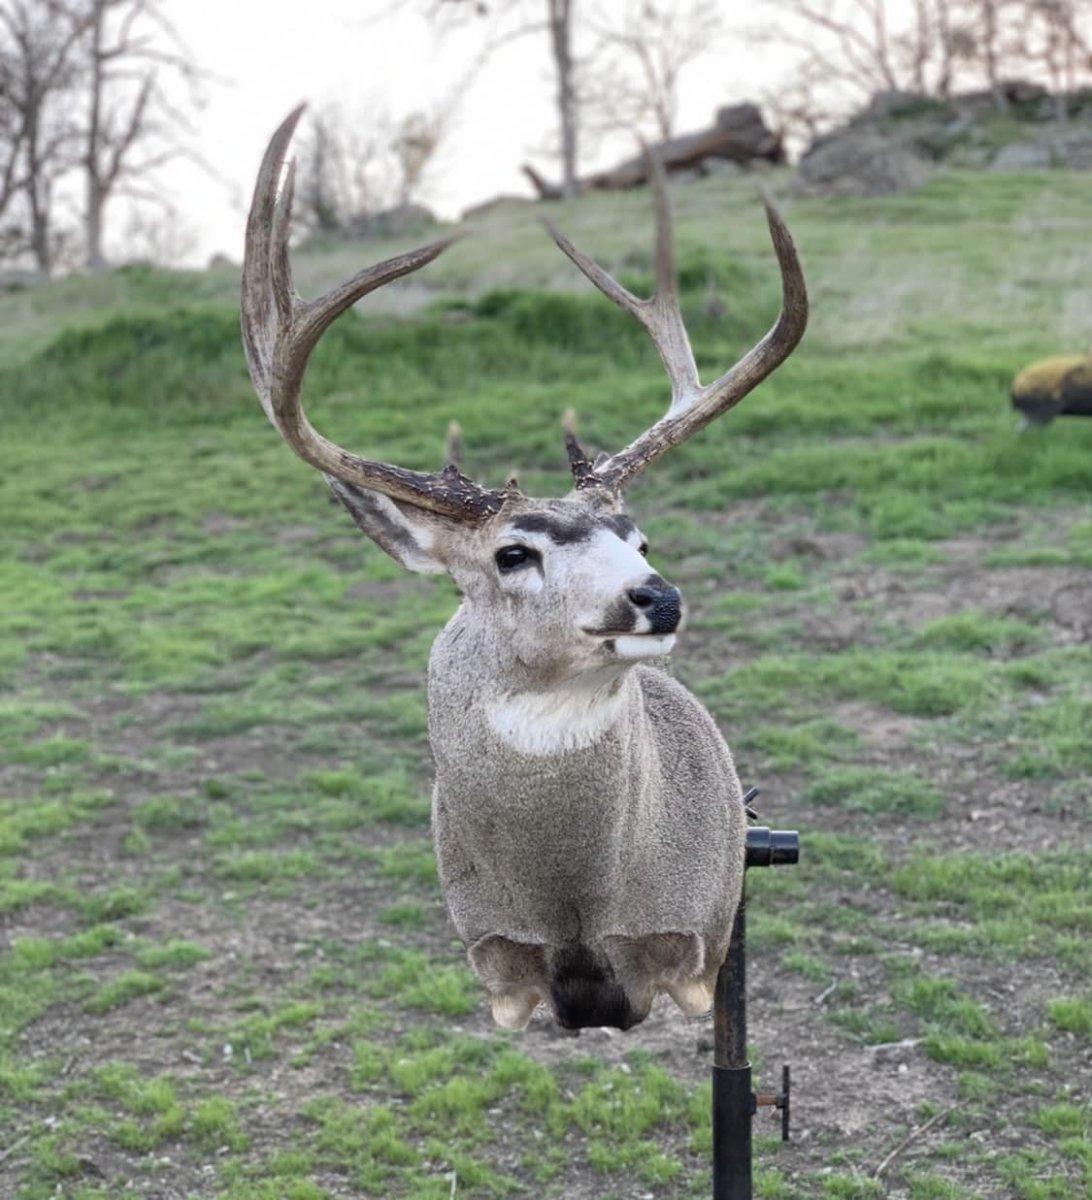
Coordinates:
[280,330]
[692,405]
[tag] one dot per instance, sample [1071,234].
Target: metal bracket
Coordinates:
[779,1100]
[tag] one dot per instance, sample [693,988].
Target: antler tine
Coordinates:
[453,448]
[665,322]
[581,466]
[280,331]
[659,314]
[280,265]
[607,284]
[682,421]
[666,280]
[692,405]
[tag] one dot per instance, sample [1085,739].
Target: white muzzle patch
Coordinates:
[643,645]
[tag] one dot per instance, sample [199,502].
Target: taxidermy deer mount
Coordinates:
[588,821]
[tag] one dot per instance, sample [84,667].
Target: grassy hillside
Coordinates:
[226,969]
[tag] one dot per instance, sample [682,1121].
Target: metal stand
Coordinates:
[734,1103]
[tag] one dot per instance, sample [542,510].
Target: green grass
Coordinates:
[228,961]
[873,791]
[126,987]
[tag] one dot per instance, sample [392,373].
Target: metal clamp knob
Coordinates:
[772,847]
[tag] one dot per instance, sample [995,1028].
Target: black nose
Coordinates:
[644,597]
[660,602]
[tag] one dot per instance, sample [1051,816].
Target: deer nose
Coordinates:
[659,602]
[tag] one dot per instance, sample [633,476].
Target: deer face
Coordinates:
[565,584]
[573,587]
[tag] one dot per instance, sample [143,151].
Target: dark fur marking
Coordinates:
[620,617]
[561,533]
[620,524]
[565,532]
[367,512]
[585,992]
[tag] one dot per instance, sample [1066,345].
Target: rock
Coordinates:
[894,104]
[1034,130]
[392,222]
[1022,156]
[859,162]
[1065,146]
[1071,147]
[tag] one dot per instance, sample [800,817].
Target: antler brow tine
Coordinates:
[692,405]
[280,331]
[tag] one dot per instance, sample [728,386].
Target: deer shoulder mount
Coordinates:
[588,821]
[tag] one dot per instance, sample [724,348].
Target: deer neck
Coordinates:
[526,712]
[569,714]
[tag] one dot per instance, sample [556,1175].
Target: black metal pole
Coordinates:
[734,1101]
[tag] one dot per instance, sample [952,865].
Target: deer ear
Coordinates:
[412,536]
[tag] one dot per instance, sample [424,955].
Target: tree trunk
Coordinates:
[96,260]
[41,246]
[96,195]
[40,242]
[944,28]
[36,187]
[989,40]
[560,19]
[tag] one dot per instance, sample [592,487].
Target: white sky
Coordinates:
[270,54]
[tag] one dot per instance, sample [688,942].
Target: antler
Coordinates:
[692,405]
[280,330]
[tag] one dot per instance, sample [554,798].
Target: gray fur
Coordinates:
[638,837]
[587,817]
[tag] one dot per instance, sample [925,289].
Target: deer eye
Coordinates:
[509,558]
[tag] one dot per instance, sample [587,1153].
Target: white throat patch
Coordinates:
[565,718]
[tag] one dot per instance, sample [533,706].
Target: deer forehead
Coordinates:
[572,527]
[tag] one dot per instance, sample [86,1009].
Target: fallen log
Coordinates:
[738,134]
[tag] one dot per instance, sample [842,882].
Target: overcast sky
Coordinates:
[267,56]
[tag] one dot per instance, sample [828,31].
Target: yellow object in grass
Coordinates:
[1053,387]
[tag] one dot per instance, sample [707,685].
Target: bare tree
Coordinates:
[38,69]
[990,15]
[1057,35]
[513,19]
[560,20]
[852,49]
[640,57]
[164,236]
[351,169]
[336,172]
[131,127]
[416,139]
